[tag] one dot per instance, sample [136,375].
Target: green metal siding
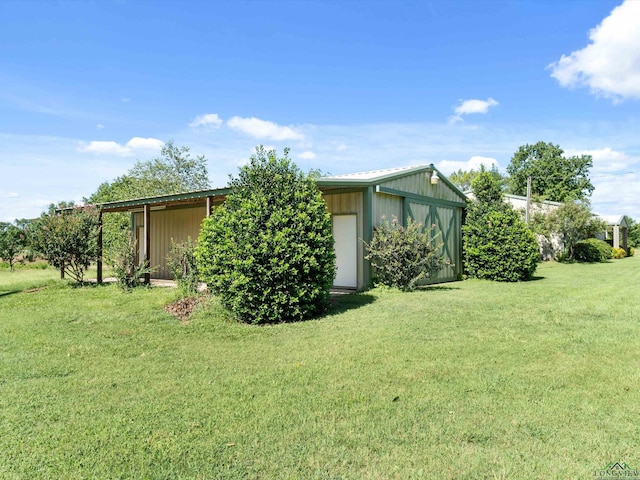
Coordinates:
[387,205]
[177,224]
[419,184]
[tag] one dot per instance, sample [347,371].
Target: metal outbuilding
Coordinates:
[358,202]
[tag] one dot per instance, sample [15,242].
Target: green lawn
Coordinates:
[465,380]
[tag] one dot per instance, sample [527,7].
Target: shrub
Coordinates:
[182,263]
[123,262]
[268,250]
[631,252]
[497,245]
[618,253]
[592,250]
[402,256]
[500,247]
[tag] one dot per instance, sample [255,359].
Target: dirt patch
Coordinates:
[183,308]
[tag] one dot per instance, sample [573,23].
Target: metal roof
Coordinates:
[358,179]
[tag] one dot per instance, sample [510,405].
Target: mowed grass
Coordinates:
[465,380]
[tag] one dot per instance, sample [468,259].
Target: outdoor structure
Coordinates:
[357,202]
[617,230]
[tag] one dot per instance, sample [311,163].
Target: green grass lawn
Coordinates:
[465,380]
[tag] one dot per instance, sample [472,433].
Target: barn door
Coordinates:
[345,236]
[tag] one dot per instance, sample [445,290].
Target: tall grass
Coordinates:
[466,380]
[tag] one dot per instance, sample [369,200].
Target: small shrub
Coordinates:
[618,253]
[591,250]
[402,256]
[182,263]
[123,263]
[631,252]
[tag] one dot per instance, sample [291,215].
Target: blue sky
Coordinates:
[88,88]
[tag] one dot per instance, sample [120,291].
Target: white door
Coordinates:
[345,236]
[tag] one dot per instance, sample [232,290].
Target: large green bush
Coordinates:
[403,256]
[497,245]
[592,250]
[268,250]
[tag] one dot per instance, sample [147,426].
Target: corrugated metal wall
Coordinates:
[388,205]
[420,184]
[177,224]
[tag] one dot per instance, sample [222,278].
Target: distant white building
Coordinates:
[617,230]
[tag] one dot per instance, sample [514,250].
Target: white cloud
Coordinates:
[607,159]
[114,148]
[140,143]
[264,129]
[308,155]
[474,163]
[610,64]
[467,107]
[8,194]
[99,126]
[208,119]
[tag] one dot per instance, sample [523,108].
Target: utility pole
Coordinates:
[526,215]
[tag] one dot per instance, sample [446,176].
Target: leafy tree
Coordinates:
[268,250]
[68,240]
[403,256]
[633,234]
[463,178]
[13,241]
[175,171]
[573,221]
[497,245]
[553,176]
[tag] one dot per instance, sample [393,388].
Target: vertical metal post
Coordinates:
[147,241]
[209,205]
[99,252]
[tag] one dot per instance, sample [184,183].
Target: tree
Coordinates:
[497,245]
[175,171]
[553,176]
[13,241]
[573,221]
[268,250]
[68,240]
[463,179]
[634,233]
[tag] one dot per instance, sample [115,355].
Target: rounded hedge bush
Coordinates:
[268,250]
[592,250]
[499,246]
[496,243]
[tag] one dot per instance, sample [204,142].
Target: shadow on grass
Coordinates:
[5,293]
[435,288]
[341,303]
